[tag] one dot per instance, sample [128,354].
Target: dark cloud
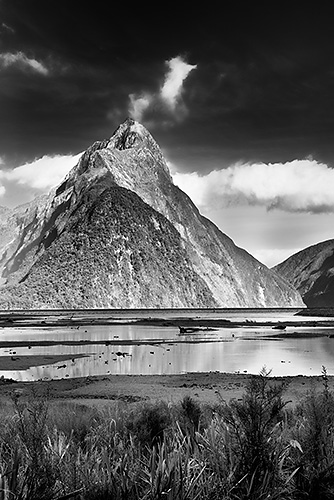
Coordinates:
[262,89]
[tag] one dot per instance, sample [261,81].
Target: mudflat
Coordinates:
[107,389]
[20,362]
[204,387]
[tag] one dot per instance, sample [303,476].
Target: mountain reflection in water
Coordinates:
[143,349]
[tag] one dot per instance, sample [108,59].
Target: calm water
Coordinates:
[136,349]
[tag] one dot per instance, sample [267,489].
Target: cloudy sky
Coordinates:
[241,101]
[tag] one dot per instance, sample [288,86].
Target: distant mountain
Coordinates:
[311,271]
[118,233]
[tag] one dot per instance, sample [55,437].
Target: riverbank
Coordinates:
[207,388]
[179,331]
[184,318]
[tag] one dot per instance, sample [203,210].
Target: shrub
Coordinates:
[31,471]
[254,426]
[192,412]
[149,423]
[74,420]
[314,430]
[249,449]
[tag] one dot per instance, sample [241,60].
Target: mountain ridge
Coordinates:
[311,272]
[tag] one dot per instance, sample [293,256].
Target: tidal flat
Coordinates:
[106,391]
[54,344]
[132,347]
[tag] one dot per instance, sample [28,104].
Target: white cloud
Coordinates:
[168,99]
[173,86]
[173,168]
[296,186]
[42,174]
[139,104]
[23,61]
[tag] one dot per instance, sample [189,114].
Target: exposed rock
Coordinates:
[311,271]
[118,233]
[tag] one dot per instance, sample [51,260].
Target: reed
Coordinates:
[256,448]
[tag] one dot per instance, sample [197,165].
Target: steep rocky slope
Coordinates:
[118,233]
[19,229]
[311,271]
[112,264]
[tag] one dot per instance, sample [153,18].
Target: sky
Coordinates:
[240,99]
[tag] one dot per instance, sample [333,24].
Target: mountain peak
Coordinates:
[130,134]
[133,138]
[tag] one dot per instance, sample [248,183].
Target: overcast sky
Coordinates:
[241,100]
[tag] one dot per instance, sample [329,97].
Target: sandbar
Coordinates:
[18,362]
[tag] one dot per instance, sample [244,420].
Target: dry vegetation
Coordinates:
[254,448]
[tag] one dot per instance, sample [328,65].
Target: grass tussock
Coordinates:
[256,448]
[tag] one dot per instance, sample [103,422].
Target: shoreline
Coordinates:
[206,388]
[108,389]
[183,317]
[200,323]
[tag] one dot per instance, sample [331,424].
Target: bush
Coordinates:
[27,463]
[249,449]
[191,410]
[314,430]
[74,421]
[255,426]
[149,423]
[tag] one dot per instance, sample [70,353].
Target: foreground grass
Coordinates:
[256,448]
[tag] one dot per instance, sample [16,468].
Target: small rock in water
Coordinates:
[279,327]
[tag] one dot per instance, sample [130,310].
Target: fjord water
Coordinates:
[144,349]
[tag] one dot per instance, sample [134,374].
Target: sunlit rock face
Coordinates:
[118,233]
[311,271]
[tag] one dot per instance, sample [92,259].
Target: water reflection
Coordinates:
[131,349]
